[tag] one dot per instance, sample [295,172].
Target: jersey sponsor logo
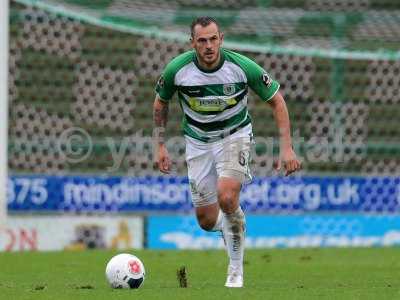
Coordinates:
[228,89]
[266,79]
[213,104]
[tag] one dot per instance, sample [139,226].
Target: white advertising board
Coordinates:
[49,233]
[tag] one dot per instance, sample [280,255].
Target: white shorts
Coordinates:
[206,162]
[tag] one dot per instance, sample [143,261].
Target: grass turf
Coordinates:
[269,274]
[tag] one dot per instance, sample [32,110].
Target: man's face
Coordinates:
[207,42]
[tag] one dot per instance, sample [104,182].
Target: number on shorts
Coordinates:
[242,158]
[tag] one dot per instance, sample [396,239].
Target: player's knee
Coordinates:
[228,201]
[206,223]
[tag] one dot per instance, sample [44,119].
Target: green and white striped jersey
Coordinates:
[214,102]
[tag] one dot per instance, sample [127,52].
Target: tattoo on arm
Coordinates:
[160,115]
[160,118]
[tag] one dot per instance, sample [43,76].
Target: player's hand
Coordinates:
[288,160]
[164,163]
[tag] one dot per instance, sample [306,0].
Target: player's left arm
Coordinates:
[287,157]
[268,91]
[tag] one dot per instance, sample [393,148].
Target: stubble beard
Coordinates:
[213,62]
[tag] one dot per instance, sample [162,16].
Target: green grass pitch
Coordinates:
[269,274]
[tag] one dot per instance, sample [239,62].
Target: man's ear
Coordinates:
[221,35]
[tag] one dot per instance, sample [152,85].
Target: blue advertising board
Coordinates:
[182,232]
[171,194]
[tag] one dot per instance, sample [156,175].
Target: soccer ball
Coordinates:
[125,271]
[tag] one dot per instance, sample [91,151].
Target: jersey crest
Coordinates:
[228,89]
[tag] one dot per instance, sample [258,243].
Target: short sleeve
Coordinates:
[257,78]
[260,81]
[166,84]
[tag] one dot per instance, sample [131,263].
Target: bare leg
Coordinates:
[209,217]
[232,227]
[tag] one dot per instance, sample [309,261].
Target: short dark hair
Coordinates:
[203,21]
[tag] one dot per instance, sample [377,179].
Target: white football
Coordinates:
[125,271]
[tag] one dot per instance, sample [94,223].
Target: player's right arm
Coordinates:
[160,119]
[165,90]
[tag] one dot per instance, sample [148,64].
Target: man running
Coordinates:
[212,85]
